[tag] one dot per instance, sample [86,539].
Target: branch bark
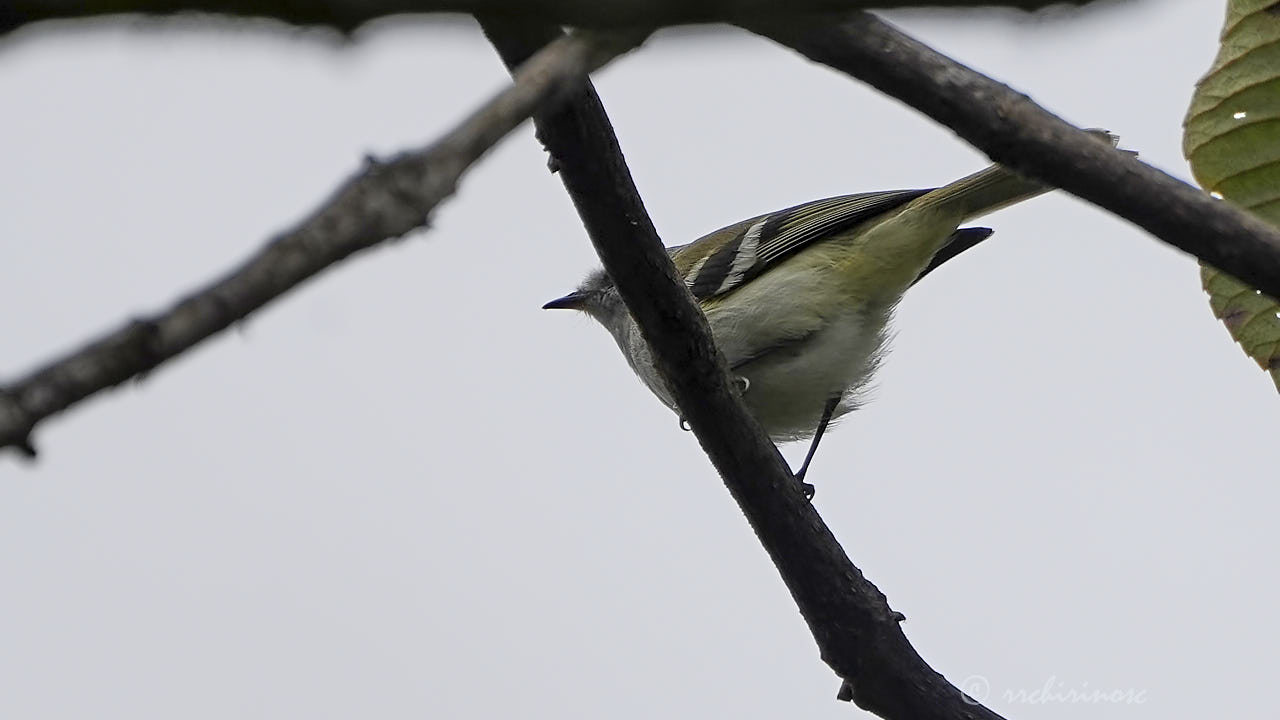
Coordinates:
[383,201]
[857,632]
[1018,133]
[347,15]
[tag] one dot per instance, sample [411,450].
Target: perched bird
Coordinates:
[799,300]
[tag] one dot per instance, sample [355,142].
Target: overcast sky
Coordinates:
[406,492]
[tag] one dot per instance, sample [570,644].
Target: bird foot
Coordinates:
[807,488]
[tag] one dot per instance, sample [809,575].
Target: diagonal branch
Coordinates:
[1018,133]
[348,15]
[857,632]
[383,201]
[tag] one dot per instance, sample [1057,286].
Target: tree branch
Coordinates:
[856,631]
[347,15]
[1018,133]
[383,201]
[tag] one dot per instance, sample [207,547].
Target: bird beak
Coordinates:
[572,301]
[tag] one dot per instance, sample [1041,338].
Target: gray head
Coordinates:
[598,297]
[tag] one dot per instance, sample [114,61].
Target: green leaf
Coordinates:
[1232,138]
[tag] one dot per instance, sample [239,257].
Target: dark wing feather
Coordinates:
[960,240]
[731,256]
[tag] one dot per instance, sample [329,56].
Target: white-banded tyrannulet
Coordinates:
[798,300]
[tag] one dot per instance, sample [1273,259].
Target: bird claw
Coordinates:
[808,489]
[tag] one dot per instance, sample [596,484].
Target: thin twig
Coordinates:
[385,200]
[1018,133]
[857,632]
[348,15]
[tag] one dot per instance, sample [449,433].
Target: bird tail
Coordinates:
[899,249]
[983,193]
[991,189]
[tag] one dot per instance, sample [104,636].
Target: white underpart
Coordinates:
[787,389]
[745,258]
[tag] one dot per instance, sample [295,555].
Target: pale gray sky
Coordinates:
[407,492]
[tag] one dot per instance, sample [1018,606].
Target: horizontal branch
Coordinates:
[1018,133]
[384,201]
[347,15]
[857,632]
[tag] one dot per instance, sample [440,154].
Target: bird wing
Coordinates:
[724,260]
[962,239]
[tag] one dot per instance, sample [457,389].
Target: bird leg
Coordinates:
[827,411]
